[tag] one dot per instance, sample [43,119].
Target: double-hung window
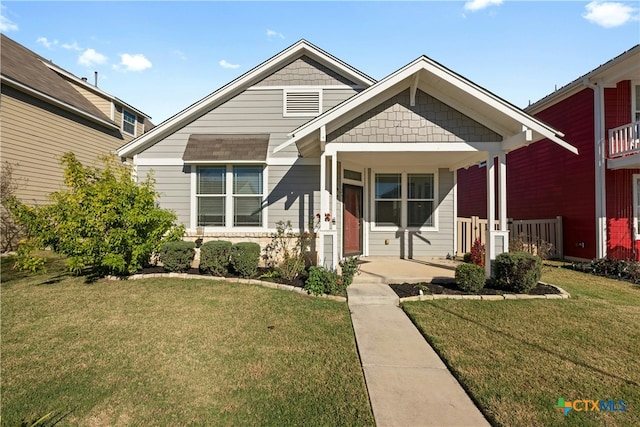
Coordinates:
[404,200]
[129,122]
[229,196]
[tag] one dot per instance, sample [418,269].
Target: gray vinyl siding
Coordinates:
[293,195]
[253,111]
[328,250]
[173,183]
[424,243]
[430,120]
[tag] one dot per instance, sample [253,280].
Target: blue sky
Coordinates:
[161,57]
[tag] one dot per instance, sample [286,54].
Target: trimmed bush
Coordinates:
[517,271]
[215,257]
[177,256]
[245,257]
[466,257]
[470,277]
[323,281]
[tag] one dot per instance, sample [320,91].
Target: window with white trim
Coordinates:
[404,200]
[636,107]
[302,103]
[229,196]
[129,122]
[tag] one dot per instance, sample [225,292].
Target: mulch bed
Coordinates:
[404,290]
[299,282]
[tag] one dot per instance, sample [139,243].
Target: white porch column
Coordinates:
[334,207]
[489,245]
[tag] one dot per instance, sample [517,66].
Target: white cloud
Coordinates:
[475,5]
[224,64]
[46,42]
[71,46]
[136,62]
[90,57]
[6,24]
[609,14]
[272,34]
[179,54]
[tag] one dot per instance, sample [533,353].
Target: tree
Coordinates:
[10,231]
[104,221]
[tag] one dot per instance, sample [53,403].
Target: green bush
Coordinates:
[104,221]
[323,281]
[245,257]
[470,277]
[517,271]
[177,256]
[349,268]
[215,257]
[466,257]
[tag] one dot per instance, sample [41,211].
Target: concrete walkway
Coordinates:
[408,383]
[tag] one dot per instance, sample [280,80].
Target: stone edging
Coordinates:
[562,295]
[271,285]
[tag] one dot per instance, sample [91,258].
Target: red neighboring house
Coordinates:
[597,192]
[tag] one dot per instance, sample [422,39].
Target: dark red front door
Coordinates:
[352,224]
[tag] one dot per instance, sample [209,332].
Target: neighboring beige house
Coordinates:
[304,134]
[45,111]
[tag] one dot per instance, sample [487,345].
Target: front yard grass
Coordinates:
[175,352]
[517,357]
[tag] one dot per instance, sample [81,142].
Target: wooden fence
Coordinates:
[532,235]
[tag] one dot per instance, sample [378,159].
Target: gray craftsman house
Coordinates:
[304,134]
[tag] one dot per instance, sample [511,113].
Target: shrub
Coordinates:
[323,281]
[349,269]
[628,270]
[245,257]
[539,247]
[466,257]
[287,250]
[105,220]
[177,256]
[477,253]
[470,277]
[517,271]
[215,257]
[10,230]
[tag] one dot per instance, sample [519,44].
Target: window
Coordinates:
[247,196]
[404,200]
[229,196]
[420,200]
[302,103]
[388,199]
[128,122]
[637,103]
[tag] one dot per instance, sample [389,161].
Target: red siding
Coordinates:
[545,180]
[621,241]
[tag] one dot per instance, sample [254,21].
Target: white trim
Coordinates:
[454,192]
[304,88]
[600,166]
[112,115]
[135,122]
[636,212]
[194,198]
[635,109]
[627,162]
[224,162]
[236,86]
[43,96]
[424,147]
[404,201]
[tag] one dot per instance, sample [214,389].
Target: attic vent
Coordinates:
[302,103]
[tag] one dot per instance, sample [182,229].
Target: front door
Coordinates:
[352,224]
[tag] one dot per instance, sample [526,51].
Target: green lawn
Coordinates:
[517,357]
[175,352]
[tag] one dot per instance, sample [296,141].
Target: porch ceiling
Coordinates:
[448,160]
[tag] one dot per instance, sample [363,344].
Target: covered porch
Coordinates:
[388,162]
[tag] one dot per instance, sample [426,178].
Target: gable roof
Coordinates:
[297,50]
[625,66]
[445,85]
[29,72]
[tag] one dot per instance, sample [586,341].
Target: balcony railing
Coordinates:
[624,140]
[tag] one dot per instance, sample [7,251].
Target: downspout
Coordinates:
[600,167]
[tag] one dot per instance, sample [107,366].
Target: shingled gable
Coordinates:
[252,77]
[515,126]
[226,148]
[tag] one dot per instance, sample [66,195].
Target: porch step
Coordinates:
[364,277]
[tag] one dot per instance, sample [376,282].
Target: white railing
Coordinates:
[624,140]
[531,233]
